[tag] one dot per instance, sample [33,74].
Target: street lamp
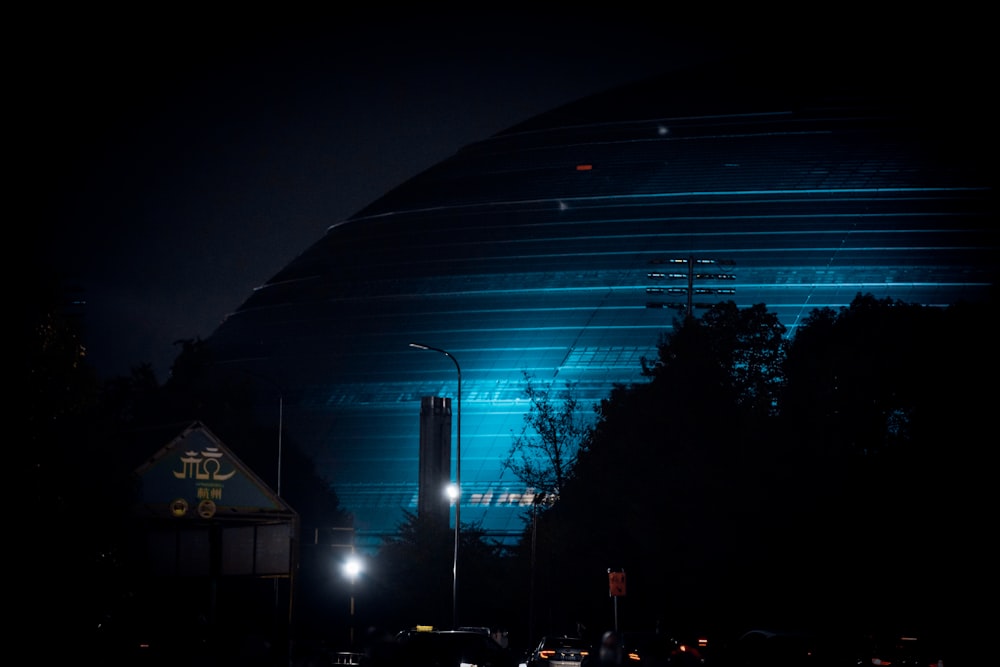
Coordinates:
[352,567]
[539,498]
[281,429]
[458,476]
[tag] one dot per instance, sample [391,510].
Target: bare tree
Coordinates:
[543,454]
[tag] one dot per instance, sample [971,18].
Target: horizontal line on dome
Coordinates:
[714,252]
[659,236]
[751,235]
[664,195]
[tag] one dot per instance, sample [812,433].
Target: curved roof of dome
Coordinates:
[563,247]
[941,113]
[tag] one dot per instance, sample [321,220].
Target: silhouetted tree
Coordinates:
[76,490]
[663,465]
[414,568]
[858,376]
[885,406]
[544,452]
[129,400]
[410,581]
[741,350]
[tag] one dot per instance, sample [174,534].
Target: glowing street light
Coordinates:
[352,568]
[458,477]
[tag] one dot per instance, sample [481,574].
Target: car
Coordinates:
[900,650]
[655,649]
[448,648]
[786,648]
[559,651]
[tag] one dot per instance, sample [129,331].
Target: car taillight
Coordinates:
[633,656]
[546,654]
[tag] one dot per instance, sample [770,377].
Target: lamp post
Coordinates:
[539,497]
[281,430]
[458,476]
[351,569]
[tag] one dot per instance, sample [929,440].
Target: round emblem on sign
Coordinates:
[206,509]
[179,507]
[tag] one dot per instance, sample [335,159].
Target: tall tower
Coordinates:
[435,457]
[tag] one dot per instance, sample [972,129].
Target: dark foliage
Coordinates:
[750,480]
[84,442]
[411,578]
[543,454]
[753,480]
[78,490]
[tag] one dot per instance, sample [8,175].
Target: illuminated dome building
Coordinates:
[551,249]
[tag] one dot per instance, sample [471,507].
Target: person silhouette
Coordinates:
[609,652]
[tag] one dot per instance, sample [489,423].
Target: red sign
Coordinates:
[616,583]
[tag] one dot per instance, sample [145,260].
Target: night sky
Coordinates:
[174,163]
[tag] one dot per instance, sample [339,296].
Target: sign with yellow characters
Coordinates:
[208,513]
[197,476]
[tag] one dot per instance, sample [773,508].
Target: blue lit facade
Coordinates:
[549,249]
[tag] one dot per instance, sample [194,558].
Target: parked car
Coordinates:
[559,651]
[654,649]
[447,648]
[899,650]
[779,648]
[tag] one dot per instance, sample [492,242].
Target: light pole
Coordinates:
[539,497]
[281,430]
[351,569]
[458,476]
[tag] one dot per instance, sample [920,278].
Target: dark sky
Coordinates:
[177,162]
